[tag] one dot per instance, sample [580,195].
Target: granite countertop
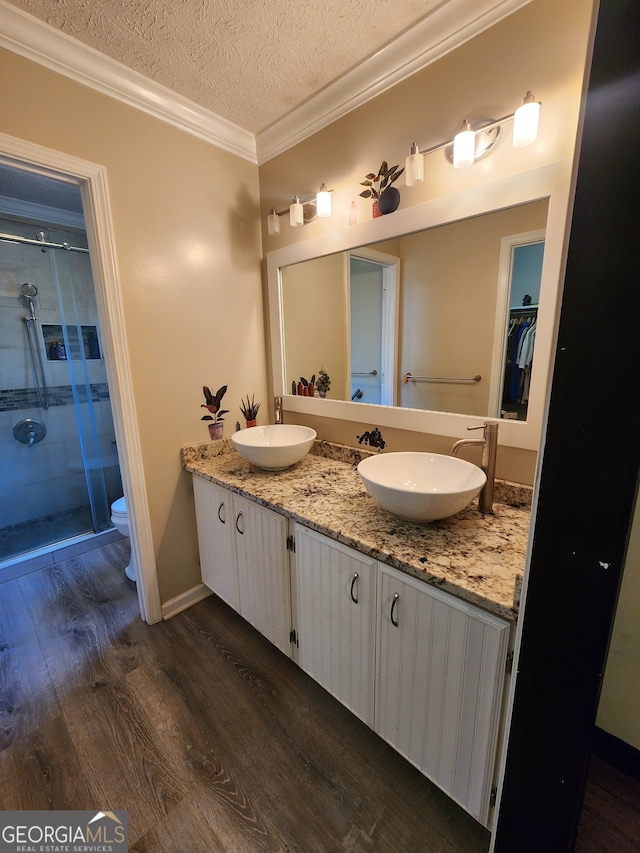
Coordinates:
[478,558]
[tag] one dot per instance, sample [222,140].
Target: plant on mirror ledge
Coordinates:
[323,382]
[212,404]
[386,198]
[249,410]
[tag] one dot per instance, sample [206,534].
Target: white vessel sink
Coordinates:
[274,447]
[421,486]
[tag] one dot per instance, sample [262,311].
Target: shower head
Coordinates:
[29,290]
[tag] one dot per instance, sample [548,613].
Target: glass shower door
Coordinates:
[79,342]
[61,485]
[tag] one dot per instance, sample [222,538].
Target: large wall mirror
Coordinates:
[434,318]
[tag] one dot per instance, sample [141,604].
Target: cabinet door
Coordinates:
[263,570]
[335,619]
[214,517]
[441,669]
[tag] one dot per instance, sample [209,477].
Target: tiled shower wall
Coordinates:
[49,476]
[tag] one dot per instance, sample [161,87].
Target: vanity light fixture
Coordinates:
[301,211]
[478,138]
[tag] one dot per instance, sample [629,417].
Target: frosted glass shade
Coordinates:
[464,148]
[525,122]
[296,213]
[273,222]
[323,202]
[414,167]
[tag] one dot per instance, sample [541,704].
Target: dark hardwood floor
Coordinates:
[209,737]
[610,819]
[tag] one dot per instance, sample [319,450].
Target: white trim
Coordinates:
[390,310]
[92,180]
[449,25]
[33,39]
[40,212]
[185,600]
[501,324]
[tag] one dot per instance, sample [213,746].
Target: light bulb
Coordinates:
[273,222]
[525,122]
[296,213]
[464,147]
[323,201]
[414,167]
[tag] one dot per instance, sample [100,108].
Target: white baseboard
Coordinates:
[184,600]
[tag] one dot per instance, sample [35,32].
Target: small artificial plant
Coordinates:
[249,409]
[323,382]
[212,404]
[377,184]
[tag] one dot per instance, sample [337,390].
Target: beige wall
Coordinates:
[315,321]
[541,47]
[448,306]
[619,709]
[187,237]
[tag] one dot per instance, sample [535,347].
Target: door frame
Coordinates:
[505,271]
[92,181]
[390,308]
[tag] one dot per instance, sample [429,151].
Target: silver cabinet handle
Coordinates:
[396,596]
[353,583]
[220,518]
[238,517]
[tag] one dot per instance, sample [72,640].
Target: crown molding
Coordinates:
[450,24]
[33,39]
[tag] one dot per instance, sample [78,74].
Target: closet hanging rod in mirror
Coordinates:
[408,377]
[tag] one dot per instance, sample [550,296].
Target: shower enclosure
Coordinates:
[59,469]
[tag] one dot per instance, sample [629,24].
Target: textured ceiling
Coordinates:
[249,61]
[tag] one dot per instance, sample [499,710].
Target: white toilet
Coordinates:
[120,521]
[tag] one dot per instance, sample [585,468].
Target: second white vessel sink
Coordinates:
[421,486]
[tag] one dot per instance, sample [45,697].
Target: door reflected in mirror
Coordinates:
[443,305]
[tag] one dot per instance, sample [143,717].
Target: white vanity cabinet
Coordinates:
[244,559]
[214,518]
[335,591]
[262,564]
[423,668]
[441,666]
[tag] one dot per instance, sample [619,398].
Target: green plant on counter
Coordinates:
[249,409]
[212,404]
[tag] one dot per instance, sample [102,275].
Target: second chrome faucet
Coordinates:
[489,443]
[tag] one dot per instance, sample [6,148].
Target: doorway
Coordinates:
[373,312]
[57,442]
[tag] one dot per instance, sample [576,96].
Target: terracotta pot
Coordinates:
[376,209]
[215,430]
[251,423]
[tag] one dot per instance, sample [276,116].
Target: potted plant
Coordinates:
[249,410]
[323,382]
[212,404]
[386,197]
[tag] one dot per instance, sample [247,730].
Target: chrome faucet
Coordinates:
[488,462]
[277,406]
